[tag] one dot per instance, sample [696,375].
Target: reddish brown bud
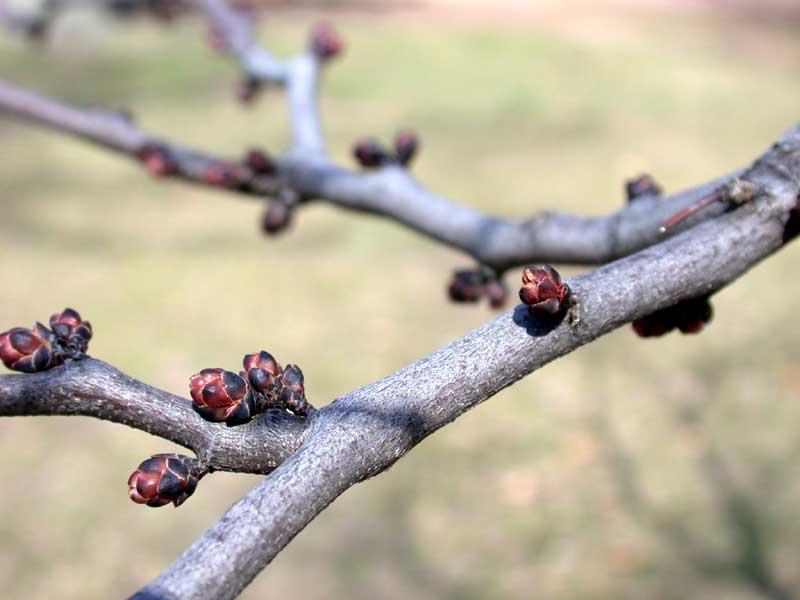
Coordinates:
[259,162]
[326,43]
[688,316]
[72,331]
[165,478]
[293,393]
[221,395]
[277,217]
[370,154]
[643,185]
[406,144]
[157,159]
[263,372]
[543,291]
[28,350]
[496,293]
[466,286]
[248,90]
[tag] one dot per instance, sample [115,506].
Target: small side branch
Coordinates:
[92,388]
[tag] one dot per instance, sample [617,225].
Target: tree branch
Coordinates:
[93,388]
[366,431]
[391,192]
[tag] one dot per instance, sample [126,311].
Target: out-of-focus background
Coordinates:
[629,469]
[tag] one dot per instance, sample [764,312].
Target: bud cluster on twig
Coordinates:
[471,285]
[371,154]
[165,478]
[40,348]
[688,316]
[224,396]
[543,291]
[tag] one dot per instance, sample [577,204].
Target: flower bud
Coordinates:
[466,286]
[164,478]
[643,185]
[221,395]
[326,43]
[277,217]
[370,154]
[688,316]
[543,291]
[496,293]
[406,144]
[72,331]
[293,392]
[259,162]
[157,159]
[248,90]
[28,350]
[263,372]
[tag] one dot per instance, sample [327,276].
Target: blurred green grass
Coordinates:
[524,496]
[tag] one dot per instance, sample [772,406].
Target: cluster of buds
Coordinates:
[371,154]
[473,285]
[40,348]
[687,316]
[224,396]
[164,479]
[543,291]
[326,43]
[158,159]
[641,186]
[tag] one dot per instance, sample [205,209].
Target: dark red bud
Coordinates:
[643,185]
[543,291]
[221,395]
[406,144]
[326,43]
[370,154]
[259,162]
[263,372]
[496,293]
[688,316]
[157,159]
[248,90]
[28,350]
[293,393]
[164,479]
[466,286]
[277,217]
[71,330]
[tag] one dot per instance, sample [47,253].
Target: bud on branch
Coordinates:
[224,396]
[164,479]
[688,316]
[39,348]
[544,292]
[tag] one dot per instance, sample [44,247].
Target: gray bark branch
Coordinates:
[392,192]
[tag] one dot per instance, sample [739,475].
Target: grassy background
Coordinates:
[587,479]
